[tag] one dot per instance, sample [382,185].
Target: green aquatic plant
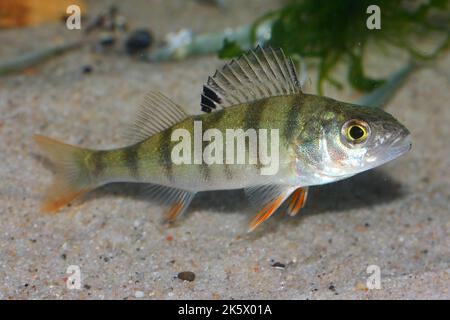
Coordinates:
[334,31]
[230,49]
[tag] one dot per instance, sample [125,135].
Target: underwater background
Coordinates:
[84,86]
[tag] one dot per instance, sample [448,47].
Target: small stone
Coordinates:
[186,276]
[107,39]
[86,69]
[139,294]
[278,265]
[138,40]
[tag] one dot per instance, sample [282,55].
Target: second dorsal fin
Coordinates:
[155,114]
[260,73]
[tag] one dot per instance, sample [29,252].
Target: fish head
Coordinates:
[345,139]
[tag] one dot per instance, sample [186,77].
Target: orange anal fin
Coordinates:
[298,201]
[174,212]
[179,203]
[266,212]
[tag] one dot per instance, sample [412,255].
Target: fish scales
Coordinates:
[153,156]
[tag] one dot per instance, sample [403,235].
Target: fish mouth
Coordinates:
[399,146]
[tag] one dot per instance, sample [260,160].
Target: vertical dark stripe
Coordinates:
[99,163]
[252,121]
[293,120]
[228,172]
[208,122]
[165,153]
[130,157]
[205,170]
[253,115]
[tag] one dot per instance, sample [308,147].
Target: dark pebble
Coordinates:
[107,40]
[87,287]
[186,276]
[63,256]
[86,69]
[138,40]
[278,265]
[332,288]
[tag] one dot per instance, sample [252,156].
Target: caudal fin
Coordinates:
[72,177]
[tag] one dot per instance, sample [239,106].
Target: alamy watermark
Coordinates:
[263,147]
[73,281]
[374,20]
[73,21]
[374,279]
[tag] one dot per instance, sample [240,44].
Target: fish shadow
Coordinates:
[223,201]
[364,190]
[361,191]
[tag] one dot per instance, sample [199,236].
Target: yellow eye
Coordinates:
[356,131]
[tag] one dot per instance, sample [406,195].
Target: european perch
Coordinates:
[320,141]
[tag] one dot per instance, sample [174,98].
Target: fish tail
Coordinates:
[72,177]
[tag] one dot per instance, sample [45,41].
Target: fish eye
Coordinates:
[356,131]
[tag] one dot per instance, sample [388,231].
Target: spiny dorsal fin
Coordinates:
[260,73]
[156,113]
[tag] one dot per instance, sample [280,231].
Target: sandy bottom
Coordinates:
[395,217]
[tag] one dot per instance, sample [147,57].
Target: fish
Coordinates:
[278,141]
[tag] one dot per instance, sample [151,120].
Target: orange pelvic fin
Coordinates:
[269,197]
[266,212]
[298,201]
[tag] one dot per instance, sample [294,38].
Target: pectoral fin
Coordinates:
[269,198]
[298,201]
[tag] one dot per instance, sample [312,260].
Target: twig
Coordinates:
[34,57]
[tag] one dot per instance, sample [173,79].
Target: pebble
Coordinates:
[139,294]
[186,276]
[107,39]
[86,69]
[138,40]
[278,265]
